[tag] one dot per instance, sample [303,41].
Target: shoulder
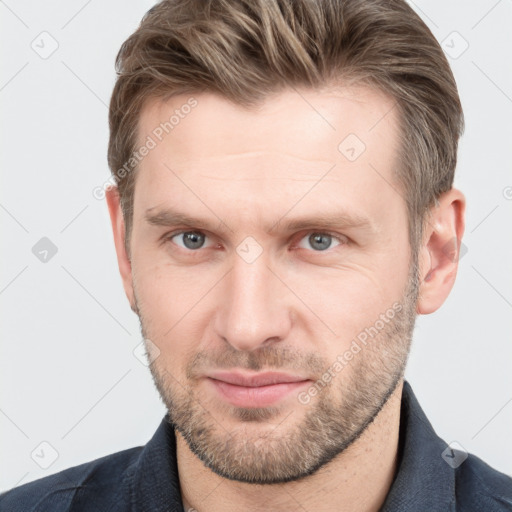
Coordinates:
[478,486]
[96,485]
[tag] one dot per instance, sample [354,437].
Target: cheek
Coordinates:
[347,300]
[354,304]
[171,302]
[168,287]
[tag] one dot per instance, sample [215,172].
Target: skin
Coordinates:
[294,308]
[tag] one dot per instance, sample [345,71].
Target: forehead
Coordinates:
[338,145]
[318,119]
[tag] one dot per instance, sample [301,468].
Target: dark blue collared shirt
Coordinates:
[430,477]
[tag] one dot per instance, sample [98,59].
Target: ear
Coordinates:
[439,253]
[118,228]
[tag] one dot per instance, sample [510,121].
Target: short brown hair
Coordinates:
[246,50]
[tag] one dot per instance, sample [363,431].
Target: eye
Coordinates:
[320,241]
[190,240]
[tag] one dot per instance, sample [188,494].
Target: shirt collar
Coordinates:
[422,476]
[156,486]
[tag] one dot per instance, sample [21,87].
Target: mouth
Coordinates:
[256,390]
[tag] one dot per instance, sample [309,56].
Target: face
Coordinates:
[270,268]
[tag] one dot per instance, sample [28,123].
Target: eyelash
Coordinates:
[343,240]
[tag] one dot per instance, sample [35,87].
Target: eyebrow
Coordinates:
[168,217]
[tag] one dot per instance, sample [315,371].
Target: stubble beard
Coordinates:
[269,445]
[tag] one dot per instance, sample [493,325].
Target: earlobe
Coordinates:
[439,254]
[118,230]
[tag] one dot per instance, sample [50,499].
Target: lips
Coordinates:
[260,379]
[260,390]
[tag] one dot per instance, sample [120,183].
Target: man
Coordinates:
[283,209]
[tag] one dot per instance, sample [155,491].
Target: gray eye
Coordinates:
[191,239]
[318,241]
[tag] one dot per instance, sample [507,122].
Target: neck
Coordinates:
[359,478]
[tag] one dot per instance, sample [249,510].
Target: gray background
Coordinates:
[70,378]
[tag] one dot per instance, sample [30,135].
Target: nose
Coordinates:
[252,310]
